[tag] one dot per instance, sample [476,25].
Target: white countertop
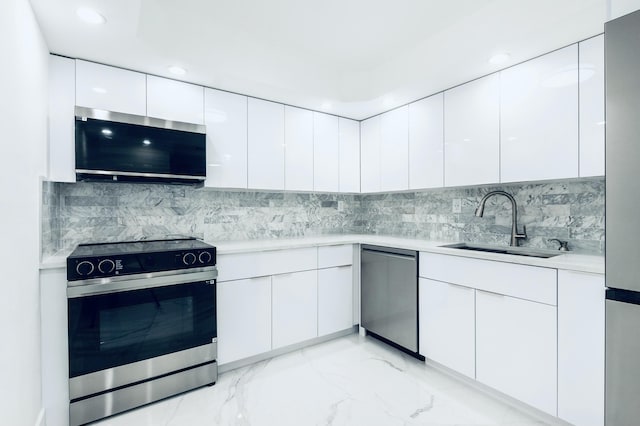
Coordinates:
[568,261]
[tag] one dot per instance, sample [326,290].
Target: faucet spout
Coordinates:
[515,236]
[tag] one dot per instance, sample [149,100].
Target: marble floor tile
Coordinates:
[351,381]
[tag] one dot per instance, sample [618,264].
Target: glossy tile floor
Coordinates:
[348,381]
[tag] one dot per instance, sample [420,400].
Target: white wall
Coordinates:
[23,133]
[617,8]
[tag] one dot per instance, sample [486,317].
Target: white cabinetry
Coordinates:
[226,121]
[581,348]
[539,118]
[295,308]
[349,155]
[335,299]
[243,318]
[472,133]
[370,154]
[109,88]
[426,143]
[266,144]
[174,100]
[516,348]
[394,149]
[447,325]
[298,139]
[62,158]
[591,76]
[326,153]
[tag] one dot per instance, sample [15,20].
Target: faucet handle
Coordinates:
[524,233]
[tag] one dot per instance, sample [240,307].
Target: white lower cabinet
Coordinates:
[516,349]
[295,308]
[447,325]
[244,318]
[581,348]
[335,299]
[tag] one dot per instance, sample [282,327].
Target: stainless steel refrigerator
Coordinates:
[622,55]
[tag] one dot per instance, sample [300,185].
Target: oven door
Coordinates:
[122,322]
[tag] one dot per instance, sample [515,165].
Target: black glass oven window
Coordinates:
[121,147]
[123,327]
[115,329]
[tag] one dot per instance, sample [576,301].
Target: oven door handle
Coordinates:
[141,281]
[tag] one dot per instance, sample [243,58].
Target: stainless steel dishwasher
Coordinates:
[389,296]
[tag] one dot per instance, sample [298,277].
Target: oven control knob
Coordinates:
[106,266]
[189,259]
[205,257]
[84,268]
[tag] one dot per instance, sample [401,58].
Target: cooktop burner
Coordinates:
[101,260]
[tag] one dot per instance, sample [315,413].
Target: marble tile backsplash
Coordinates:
[74,213]
[571,210]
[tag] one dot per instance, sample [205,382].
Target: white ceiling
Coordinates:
[354,58]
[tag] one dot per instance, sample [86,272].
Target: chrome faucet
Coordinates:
[514,215]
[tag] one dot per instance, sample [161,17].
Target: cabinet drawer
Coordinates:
[522,281]
[258,264]
[330,256]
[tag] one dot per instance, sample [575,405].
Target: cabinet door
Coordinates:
[226,121]
[266,144]
[298,139]
[539,118]
[174,100]
[426,143]
[591,77]
[326,153]
[581,348]
[349,155]
[244,318]
[335,299]
[370,155]
[109,88]
[516,348]
[62,100]
[472,133]
[295,308]
[394,150]
[447,325]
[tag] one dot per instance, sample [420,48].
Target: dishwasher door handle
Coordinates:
[394,255]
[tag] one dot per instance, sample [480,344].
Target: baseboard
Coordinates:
[506,399]
[42,418]
[281,351]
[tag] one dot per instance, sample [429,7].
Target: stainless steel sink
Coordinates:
[516,251]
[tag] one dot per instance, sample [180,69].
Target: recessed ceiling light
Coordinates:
[177,70]
[146,142]
[90,16]
[100,90]
[499,58]
[106,132]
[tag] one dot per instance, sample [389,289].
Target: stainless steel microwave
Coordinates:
[123,147]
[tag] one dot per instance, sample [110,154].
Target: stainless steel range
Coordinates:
[142,324]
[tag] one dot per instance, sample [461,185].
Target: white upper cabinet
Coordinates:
[426,143]
[226,121]
[591,76]
[62,80]
[394,150]
[298,139]
[539,118]
[109,88]
[266,144]
[174,100]
[370,154]
[472,132]
[326,153]
[349,155]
